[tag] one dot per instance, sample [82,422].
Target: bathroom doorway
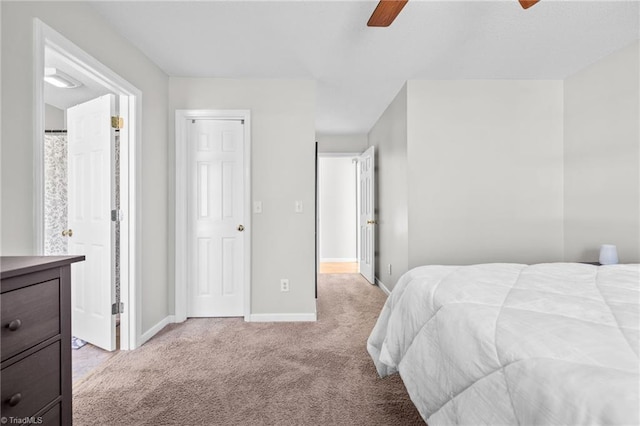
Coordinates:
[84,84]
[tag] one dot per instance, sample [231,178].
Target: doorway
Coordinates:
[83,72]
[346,213]
[337,213]
[81,186]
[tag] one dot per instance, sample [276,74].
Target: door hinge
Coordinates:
[116,215]
[117,308]
[117,122]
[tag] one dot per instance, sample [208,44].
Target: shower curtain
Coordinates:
[55,193]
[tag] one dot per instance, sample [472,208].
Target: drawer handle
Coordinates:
[15,399]
[14,325]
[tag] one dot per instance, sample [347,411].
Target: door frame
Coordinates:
[181,180]
[130,137]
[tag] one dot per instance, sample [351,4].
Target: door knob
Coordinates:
[240,228]
[67,233]
[371,222]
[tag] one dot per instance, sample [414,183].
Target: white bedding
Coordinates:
[515,344]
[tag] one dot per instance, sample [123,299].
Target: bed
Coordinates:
[500,344]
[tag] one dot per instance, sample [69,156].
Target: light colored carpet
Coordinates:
[228,372]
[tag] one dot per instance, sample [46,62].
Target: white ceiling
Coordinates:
[359,69]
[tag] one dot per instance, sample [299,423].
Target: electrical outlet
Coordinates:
[284,284]
[389,269]
[257,207]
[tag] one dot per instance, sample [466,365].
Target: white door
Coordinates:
[91,231]
[366,216]
[215,212]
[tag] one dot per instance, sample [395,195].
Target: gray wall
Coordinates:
[283,164]
[485,171]
[389,136]
[341,143]
[602,164]
[82,25]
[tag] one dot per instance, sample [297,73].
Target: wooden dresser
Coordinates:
[35,347]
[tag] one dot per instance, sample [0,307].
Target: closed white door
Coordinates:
[367,221]
[91,231]
[215,213]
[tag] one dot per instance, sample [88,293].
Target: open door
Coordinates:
[366,215]
[91,232]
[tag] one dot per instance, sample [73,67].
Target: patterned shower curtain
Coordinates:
[55,198]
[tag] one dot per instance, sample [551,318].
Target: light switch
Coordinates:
[257,206]
[299,208]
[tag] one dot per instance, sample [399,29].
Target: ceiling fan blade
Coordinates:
[526,4]
[385,12]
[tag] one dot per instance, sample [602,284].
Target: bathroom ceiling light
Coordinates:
[57,78]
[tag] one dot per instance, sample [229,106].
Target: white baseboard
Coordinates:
[283,317]
[308,317]
[383,287]
[155,329]
[339,259]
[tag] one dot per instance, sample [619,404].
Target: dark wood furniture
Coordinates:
[35,346]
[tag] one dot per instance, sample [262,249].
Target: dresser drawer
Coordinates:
[51,417]
[29,316]
[32,382]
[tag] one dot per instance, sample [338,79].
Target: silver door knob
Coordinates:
[240,228]
[371,222]
[67,233]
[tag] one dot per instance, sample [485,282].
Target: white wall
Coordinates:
[283,170]
[341,143]
[469,172]
[54,118]
[83,26]
[485,165]
[389,136]
[602,165]
[513,171]
[337,209]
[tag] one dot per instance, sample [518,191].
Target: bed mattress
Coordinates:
[515,344]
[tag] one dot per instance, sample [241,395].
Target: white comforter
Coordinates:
[515,344]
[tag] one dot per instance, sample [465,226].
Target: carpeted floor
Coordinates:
[228,372]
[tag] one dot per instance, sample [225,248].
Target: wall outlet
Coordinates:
[389,269]
[257,207]
[284,284]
